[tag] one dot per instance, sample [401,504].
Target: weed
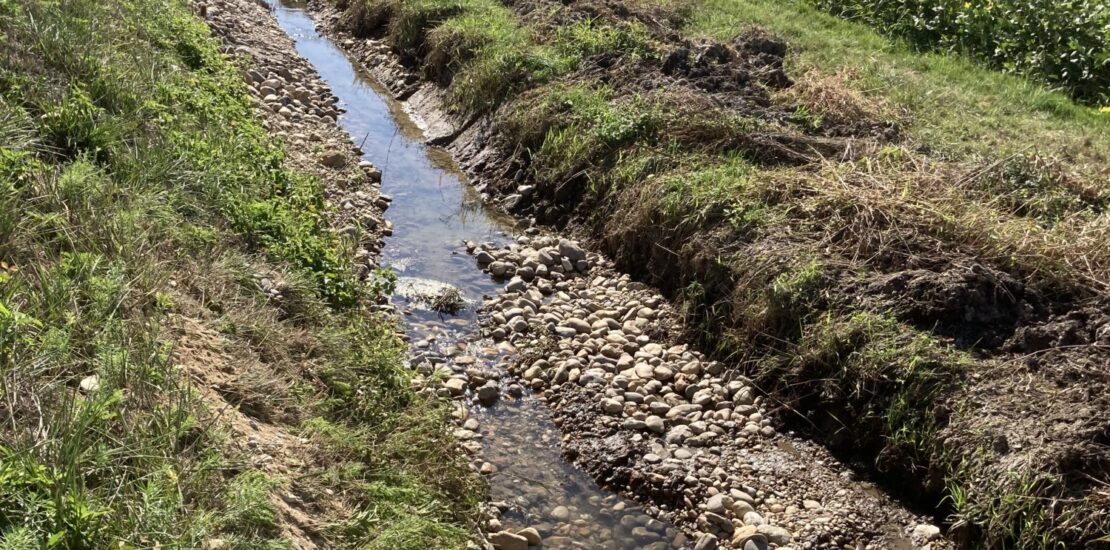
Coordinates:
[478,50]
[449,301]
[891,380]
[718,190]
[1034,186]
[589,37]
[247,512]
[570,129]
[402,486]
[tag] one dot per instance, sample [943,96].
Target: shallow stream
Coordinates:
[434,211]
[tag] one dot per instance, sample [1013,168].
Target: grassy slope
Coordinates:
[136,187]
[957,118]
[954,106]
[986,169]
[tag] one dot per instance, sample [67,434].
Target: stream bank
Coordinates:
[844,269]
[757,467]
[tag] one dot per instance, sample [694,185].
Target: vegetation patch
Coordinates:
[140,201]
[480,52]
[953,107]
[1063,43]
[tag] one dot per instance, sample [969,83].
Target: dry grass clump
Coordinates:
[831,100]
[448,301]
[901,197]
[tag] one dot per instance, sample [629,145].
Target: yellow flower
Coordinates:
[967,5]
[1104,110]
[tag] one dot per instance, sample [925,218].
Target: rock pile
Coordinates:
[661,422]
[606,331]
[290,93]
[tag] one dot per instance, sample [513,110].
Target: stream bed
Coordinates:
[434,212]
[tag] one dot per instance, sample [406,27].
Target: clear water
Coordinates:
[433,212]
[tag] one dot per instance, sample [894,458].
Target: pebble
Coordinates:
[456,386]
[90,383]
[504,540]
[532,535]
[612,406]
[775,535]
[487,394]
[706,542]
[926,532]
[516,284]
[571,251]
[718,521]
[717,504]
[560,513]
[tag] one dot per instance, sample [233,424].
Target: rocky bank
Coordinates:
[651,417]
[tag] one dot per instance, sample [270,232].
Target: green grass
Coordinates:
[136,187]
[895,374]
[481,52]
[247,510]
[571,128]
[1062,43]
[398,483]
[954,107]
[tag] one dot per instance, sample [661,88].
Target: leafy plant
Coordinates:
[1063,42]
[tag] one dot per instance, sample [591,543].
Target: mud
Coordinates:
[974,305]
[729,70]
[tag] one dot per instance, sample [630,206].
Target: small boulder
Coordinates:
[487,394]
[926,532]
[504,540]
[456,386]
[560,513]
[333,159]
[707,542]
[775,534]
[516,284]
[90,383]
[532,535]
[571,251]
